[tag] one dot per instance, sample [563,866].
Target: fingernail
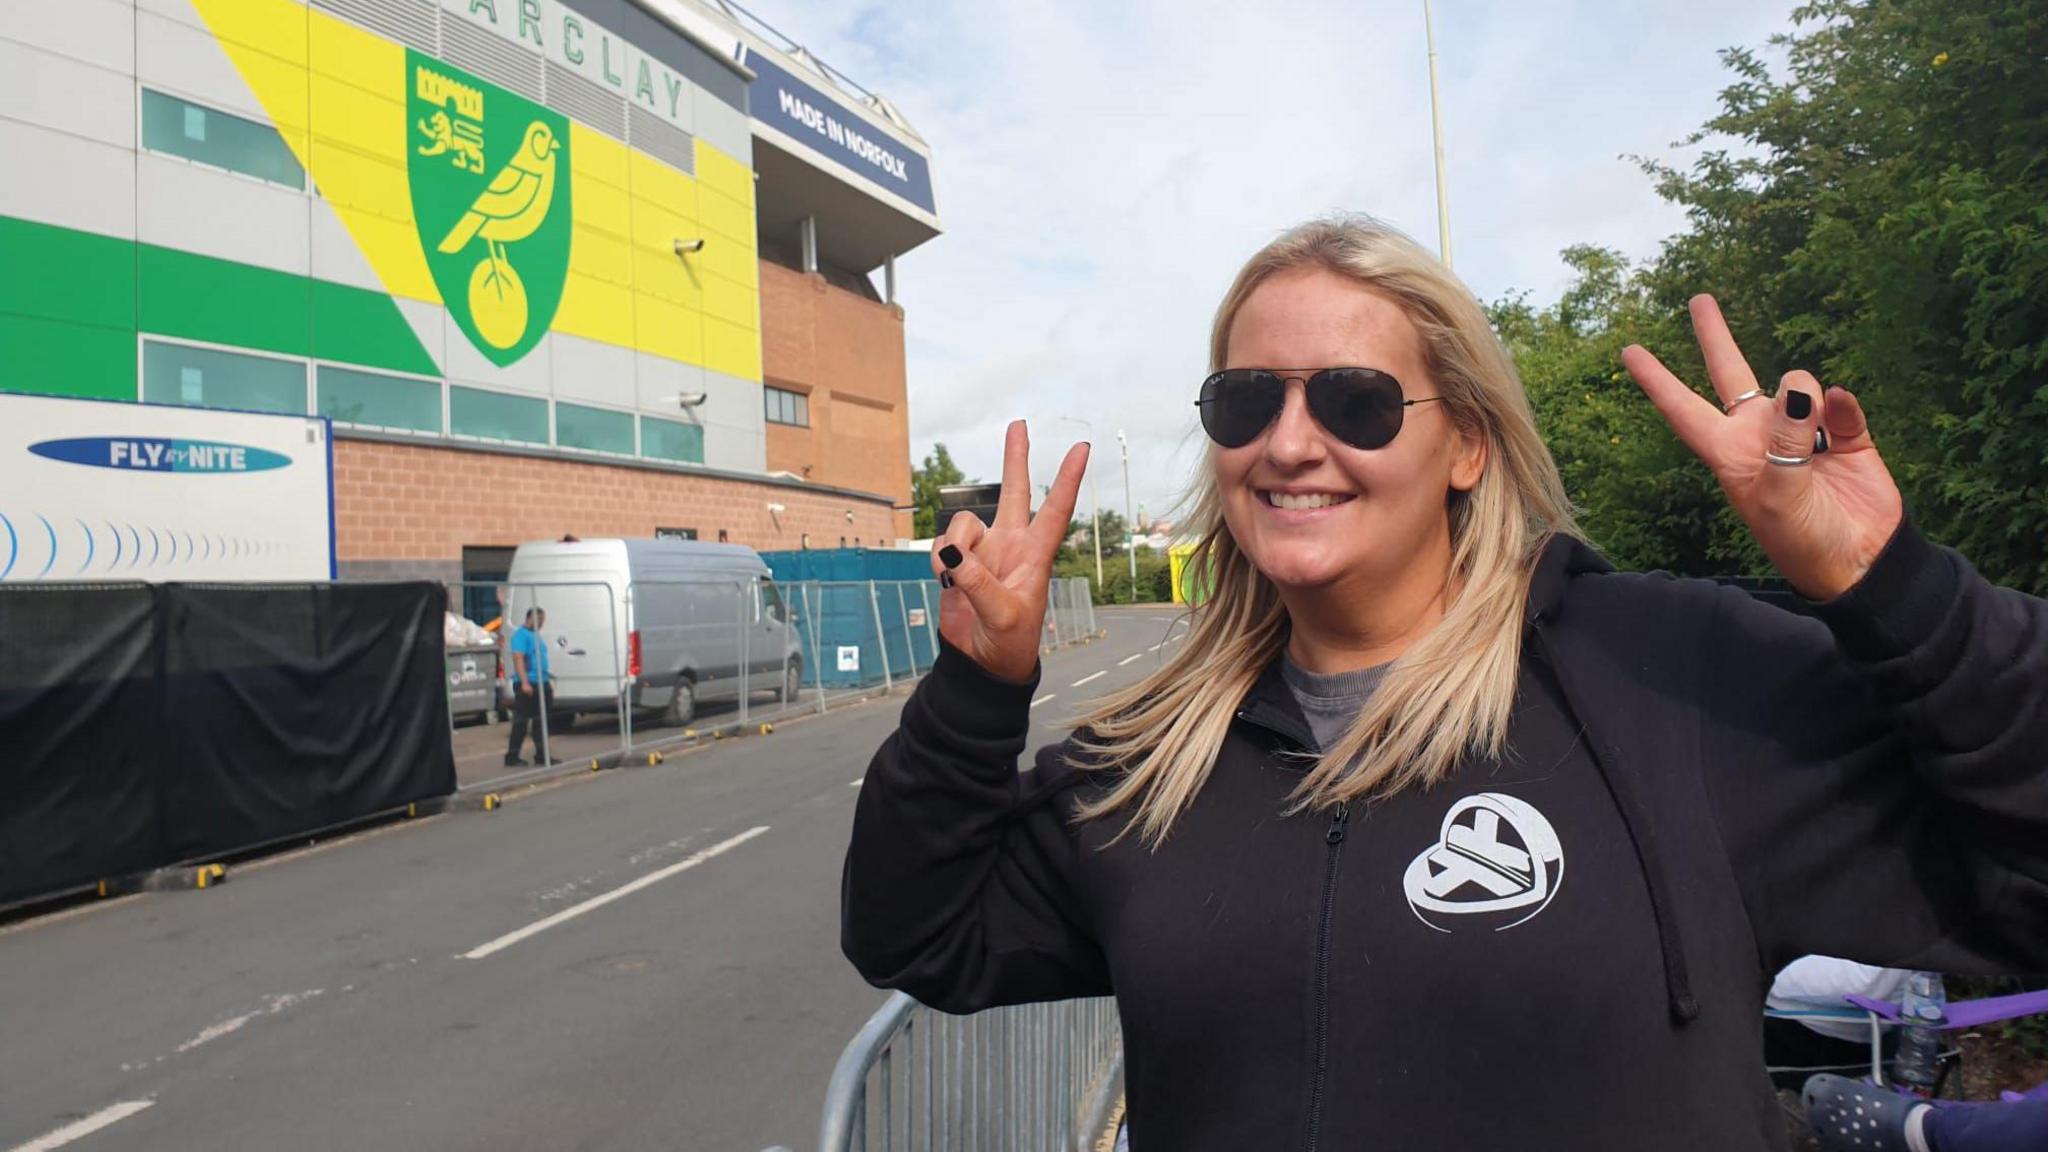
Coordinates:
[1798,405]
[950,556]
[1820,440]
[945,579]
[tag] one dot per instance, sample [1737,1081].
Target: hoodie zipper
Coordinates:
[1334,837]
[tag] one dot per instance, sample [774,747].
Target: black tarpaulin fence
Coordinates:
[142,726]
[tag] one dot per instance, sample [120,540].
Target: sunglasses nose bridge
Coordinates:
[1295,436]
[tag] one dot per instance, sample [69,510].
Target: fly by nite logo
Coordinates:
[150,454]
[1495,856]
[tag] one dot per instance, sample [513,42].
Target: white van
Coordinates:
[666,623]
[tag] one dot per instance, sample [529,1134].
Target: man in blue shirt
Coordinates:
[532,688]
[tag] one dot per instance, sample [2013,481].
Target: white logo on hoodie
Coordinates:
[1494,854]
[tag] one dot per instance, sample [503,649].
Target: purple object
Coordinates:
[1968,1013]
[2037,1092]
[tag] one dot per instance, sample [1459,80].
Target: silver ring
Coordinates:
[1786,461]
[1732,405]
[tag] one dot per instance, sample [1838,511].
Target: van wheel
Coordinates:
[682,706]
[792,681]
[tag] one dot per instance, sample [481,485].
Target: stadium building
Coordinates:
[602,267]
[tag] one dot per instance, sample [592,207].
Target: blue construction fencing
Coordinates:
[848,565]
[859,634]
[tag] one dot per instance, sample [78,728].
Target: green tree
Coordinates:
[1644,499]
[937,471]
[1116,533]
[1883,222]
[1886,225]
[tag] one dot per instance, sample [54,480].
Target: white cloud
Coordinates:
[1102,171]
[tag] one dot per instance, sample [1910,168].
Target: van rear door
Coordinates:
[584,597]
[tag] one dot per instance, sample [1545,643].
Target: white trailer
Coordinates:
[98,490]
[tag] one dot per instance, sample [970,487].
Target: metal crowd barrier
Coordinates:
[1069,612]
[844,639]
[1029,1078]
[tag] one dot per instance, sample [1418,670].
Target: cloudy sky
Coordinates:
[1103,169]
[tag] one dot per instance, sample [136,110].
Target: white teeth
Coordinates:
[1290,500]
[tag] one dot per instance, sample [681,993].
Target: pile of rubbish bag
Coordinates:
[461,632]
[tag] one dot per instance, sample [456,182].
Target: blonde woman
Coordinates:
[1437,833]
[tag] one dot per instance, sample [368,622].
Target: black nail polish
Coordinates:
[1798,405]
[1820,441]
[945,579]
[950,556]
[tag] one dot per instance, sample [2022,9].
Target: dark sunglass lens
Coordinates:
[1358,406]
[1238,404]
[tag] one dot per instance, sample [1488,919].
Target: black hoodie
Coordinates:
[1564,949]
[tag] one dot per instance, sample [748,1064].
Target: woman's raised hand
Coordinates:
[992,604]
[1821,516]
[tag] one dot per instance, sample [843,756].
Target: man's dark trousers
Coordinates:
[526,708]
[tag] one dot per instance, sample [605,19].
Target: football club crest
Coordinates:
[489,174]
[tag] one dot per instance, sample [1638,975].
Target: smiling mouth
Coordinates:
[1302,501]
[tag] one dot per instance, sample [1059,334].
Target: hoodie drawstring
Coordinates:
[1685,1007]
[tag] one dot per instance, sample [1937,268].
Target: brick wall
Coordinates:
[846,353]
[408,510]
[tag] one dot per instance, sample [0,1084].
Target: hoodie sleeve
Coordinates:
[1881,781]
[960,885]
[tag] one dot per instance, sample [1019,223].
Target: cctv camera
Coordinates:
[777,509]
[685,247]
[690,399]
[849,515]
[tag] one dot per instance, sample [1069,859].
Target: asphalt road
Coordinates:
[406,988]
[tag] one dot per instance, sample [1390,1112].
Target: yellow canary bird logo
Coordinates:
[516,202]
[512,208]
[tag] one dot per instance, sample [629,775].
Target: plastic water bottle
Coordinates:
[1921,1012]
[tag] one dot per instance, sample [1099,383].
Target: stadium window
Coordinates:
[181,128]
[210,378]
[672,440]
[787,407]
[374,400]
[593,429]
[497,416]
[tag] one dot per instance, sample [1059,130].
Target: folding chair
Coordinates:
[1962,1015]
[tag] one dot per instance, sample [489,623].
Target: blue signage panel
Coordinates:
[802,112]
[154,454]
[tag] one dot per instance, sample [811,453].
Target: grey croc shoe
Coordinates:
[1857,1116]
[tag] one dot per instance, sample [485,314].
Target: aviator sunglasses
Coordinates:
[1363,407]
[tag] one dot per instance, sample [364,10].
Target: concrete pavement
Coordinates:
[645,958]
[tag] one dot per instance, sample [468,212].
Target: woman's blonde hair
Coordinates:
[1451,692]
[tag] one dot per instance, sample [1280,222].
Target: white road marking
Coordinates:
[111,1114]
[1090,676]
[1128,659]
[1156,647]
[1042,699]
[853,783]
[273,1005]
[619,893]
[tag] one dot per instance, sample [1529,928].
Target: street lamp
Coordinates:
[1130,525]
[1436,129]
[1094,505]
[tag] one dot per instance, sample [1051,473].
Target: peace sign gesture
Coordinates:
[994,579]
[1821,508]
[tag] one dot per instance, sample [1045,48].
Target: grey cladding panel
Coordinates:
[663,141]
[491,57]
[596,106]
[661,41]
[413,23]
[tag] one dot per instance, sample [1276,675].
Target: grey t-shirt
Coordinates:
[1331,700]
